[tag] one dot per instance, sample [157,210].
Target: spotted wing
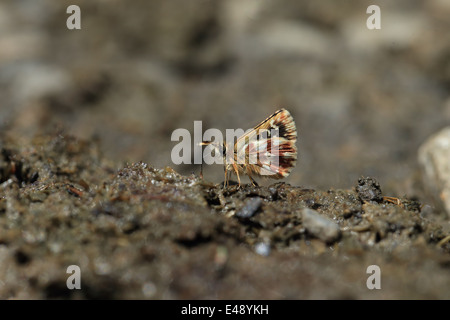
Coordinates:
[269,148]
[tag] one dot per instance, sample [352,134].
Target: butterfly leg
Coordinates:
[253,181]
[249,174]
[239,179]
[237,173]
[201,171]
[225,181]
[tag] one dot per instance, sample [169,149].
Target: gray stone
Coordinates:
[251,206]
[319,226]
[434,158]
[262,249]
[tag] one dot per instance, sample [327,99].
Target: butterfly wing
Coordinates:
[269,148]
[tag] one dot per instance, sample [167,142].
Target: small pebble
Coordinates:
[251,206]
[262,249]
[319,226]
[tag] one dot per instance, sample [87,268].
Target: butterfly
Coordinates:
[267,150]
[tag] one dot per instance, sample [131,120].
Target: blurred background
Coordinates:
[363,100]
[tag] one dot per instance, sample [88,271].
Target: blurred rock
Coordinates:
[35,80]
[319,226]
[398,30]
[283,37]
[434,157]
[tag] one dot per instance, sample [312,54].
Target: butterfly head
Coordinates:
[218,147]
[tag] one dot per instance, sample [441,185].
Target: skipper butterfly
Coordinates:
[266,150]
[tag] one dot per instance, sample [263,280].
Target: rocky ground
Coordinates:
[86,176]
[143,232]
